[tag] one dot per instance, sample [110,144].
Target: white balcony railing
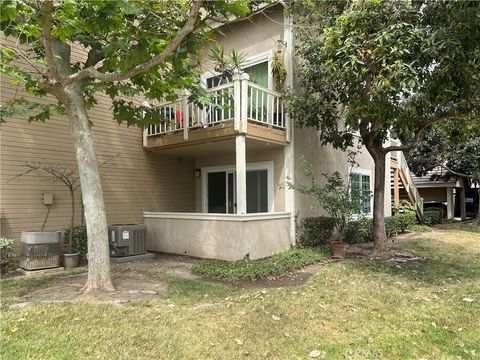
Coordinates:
[239,101]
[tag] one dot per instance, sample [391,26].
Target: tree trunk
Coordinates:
[92,193]
[379,233]
[72,219]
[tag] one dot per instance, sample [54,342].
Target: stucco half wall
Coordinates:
[218,236]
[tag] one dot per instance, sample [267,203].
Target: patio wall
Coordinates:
[218,236]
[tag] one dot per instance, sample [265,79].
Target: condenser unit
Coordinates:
[127,239]
[40,250]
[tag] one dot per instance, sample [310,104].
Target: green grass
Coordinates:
[419,227]
[360,307]
[276,265]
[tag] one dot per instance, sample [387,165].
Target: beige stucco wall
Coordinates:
[133,181]
[326,159]
[252,37]
[275,155]
[217,238]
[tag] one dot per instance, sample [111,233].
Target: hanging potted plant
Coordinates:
[279,72]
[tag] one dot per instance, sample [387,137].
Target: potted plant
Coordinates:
[78,246]
[341,201]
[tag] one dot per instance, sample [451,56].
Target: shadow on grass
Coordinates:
[445,261]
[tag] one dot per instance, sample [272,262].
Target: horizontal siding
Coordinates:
[133,180]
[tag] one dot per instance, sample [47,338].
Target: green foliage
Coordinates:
[385,67]
[432,216]
[316,231]
[419,227]
[118,36]
[454,147]
[361,231]
[7,257]
[276,265]
[79,240]
[278,71]
[340,201]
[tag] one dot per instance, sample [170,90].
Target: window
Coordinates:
[360,188]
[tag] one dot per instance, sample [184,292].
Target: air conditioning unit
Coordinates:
[127,239]
[40,250]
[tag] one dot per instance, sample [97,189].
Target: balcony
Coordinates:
[237,108]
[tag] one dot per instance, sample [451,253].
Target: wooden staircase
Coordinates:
[403,185]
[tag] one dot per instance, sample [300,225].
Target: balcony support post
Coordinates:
[241,173]
[244,103]
[185,114]
[237,100]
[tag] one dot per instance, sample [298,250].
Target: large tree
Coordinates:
[455,150]
[385,68]
[133,48]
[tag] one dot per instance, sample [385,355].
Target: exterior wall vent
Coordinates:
[127,239]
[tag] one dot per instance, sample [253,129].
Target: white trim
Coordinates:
[266,165]
[361,171]
[217,217]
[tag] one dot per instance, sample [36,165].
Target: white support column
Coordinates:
[237,102]
[145,130]
[450,203]
[241,173]
[186,115]
[244,103]
[463,208]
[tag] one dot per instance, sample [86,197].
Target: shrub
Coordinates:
[316,231]
[419,227]
[406,219]
[432,216]
[276,265]
[7,257]
[359,231]
[79,241]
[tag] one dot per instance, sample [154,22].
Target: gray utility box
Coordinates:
[40,250]
[127,240]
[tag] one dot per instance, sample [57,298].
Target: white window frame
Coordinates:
[361,171]
[250,61]
[267,165]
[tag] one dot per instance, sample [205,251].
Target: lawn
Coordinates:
[357,309]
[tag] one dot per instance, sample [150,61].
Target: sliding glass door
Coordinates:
[221,192]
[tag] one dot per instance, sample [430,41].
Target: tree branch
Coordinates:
[418,133]
[188,27]
[47,38]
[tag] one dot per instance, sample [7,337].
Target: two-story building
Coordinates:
[208,181]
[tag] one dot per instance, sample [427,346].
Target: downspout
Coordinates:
[290,148]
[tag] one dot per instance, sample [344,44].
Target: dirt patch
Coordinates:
[129,286]
[389,255]
[292,279]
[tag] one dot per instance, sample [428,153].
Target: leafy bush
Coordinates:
[316,231]
[405,220]
[79,241]
[359,231]
[276,265]
[432,216]
[7,257]
[419,227]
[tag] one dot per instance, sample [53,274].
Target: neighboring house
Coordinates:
[207,183]
[430,190]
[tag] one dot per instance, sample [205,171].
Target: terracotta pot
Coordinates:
[70,261]
[339,249]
